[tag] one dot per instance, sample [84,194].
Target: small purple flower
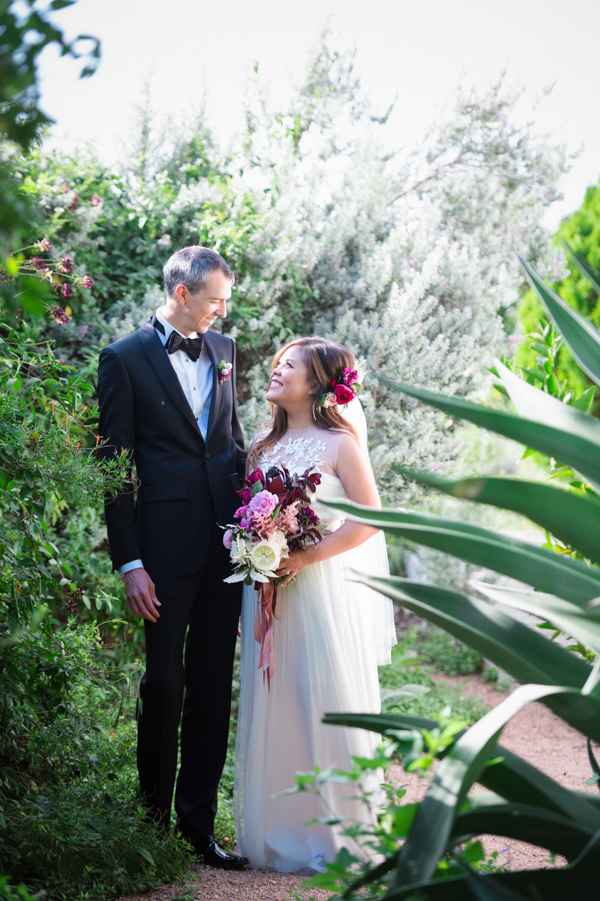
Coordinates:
[328,254]
[228,539]
[87,282]
[43,244]
[512,339]
[67,264]
[67,290]
[84,329]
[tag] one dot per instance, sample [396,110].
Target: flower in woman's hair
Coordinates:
[349,376]
[343,394]
[328,400]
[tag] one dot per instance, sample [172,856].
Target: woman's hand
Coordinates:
[292,565]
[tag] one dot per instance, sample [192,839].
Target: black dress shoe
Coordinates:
[210,854]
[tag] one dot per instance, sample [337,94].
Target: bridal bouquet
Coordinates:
[275,519]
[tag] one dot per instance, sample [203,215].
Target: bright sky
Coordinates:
[417,50]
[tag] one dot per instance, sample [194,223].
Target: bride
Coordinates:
[330,633]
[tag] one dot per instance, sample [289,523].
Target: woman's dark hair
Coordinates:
[325,361]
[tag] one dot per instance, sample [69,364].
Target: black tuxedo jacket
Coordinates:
[182,482]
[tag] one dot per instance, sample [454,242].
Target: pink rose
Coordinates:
[343,394]
[350,376]
[240,511]
[228,539]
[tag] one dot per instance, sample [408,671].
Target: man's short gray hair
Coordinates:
[190,266]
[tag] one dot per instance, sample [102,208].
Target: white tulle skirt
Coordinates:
[326,658]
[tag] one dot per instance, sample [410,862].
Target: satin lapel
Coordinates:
[165,372]
[216,394]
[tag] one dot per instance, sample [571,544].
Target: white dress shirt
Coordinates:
[196,380]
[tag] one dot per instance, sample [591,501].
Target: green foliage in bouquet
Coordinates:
[520,802]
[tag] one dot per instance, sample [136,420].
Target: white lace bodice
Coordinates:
[301,449]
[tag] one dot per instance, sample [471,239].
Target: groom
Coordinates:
[167,395]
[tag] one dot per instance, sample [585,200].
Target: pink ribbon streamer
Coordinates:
[266,598]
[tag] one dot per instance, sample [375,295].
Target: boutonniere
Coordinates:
[224,371]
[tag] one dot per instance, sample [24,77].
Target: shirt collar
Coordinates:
[169,328]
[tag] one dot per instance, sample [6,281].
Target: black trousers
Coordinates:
[189,661]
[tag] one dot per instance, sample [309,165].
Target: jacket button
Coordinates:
[207,456]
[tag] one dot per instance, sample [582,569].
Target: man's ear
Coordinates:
[182,294]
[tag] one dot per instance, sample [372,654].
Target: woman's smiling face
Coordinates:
[289,385]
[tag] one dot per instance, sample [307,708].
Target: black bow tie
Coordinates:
[191,346]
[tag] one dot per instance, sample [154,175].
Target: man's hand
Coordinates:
[140,594]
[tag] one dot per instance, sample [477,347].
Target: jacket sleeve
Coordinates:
[236,429]
[117,433]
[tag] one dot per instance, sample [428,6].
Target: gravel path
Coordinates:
[535,733]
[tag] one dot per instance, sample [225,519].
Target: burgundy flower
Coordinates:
[256,476]
[343,394]
[67,264]
[59,315]
[73,205]
[39,264]
[349,377]
[67,290]
[245,495]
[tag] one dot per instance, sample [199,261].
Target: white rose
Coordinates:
[265,556]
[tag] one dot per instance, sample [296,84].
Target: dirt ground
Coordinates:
[536,734]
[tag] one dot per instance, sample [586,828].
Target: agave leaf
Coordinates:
[523,652]
[523,822]
[580,449]
[461,766]
[584,267]
[509,776]
[571,518]
[527,563]
[579,333]
[549,885]
[580,623]
[517,780]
